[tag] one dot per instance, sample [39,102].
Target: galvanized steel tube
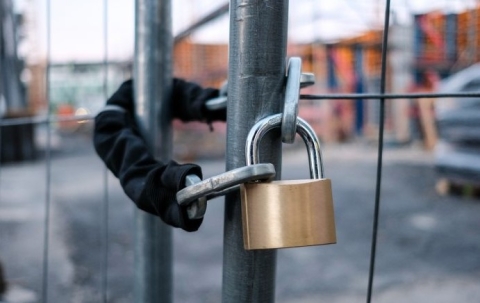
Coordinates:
[258,37]
[152,78]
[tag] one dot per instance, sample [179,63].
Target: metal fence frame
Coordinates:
[257,68]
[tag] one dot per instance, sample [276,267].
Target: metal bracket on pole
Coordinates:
[220,102]
[295,81]
[292,95]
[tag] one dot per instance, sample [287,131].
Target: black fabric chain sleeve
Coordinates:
[188,102]
[172,176]
[3,283]
[152,185]
[123,97]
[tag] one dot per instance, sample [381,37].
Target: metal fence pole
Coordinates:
[152,74]
[258,36]
[12,90]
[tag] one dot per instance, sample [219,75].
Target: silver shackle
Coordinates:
[303,129]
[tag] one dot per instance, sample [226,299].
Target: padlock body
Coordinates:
[282,214]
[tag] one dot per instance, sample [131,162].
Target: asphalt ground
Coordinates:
[428,245]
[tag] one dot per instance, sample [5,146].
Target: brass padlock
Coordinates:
[280,214]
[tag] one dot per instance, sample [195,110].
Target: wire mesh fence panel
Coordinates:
[427,241]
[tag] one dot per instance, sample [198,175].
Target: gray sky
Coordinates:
[77,26]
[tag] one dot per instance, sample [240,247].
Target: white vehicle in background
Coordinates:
[457,155]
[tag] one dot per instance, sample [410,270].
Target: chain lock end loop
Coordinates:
[222,184]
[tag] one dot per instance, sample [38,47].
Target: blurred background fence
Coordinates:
[426,45]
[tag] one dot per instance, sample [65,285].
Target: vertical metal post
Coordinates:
[258,36]
[472,36]
[48,159]
[105,205]
[332,82]
[152,78]
[13,91]
[359,88]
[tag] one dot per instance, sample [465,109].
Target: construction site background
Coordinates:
[436,44]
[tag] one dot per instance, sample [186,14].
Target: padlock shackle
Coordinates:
[305,131]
